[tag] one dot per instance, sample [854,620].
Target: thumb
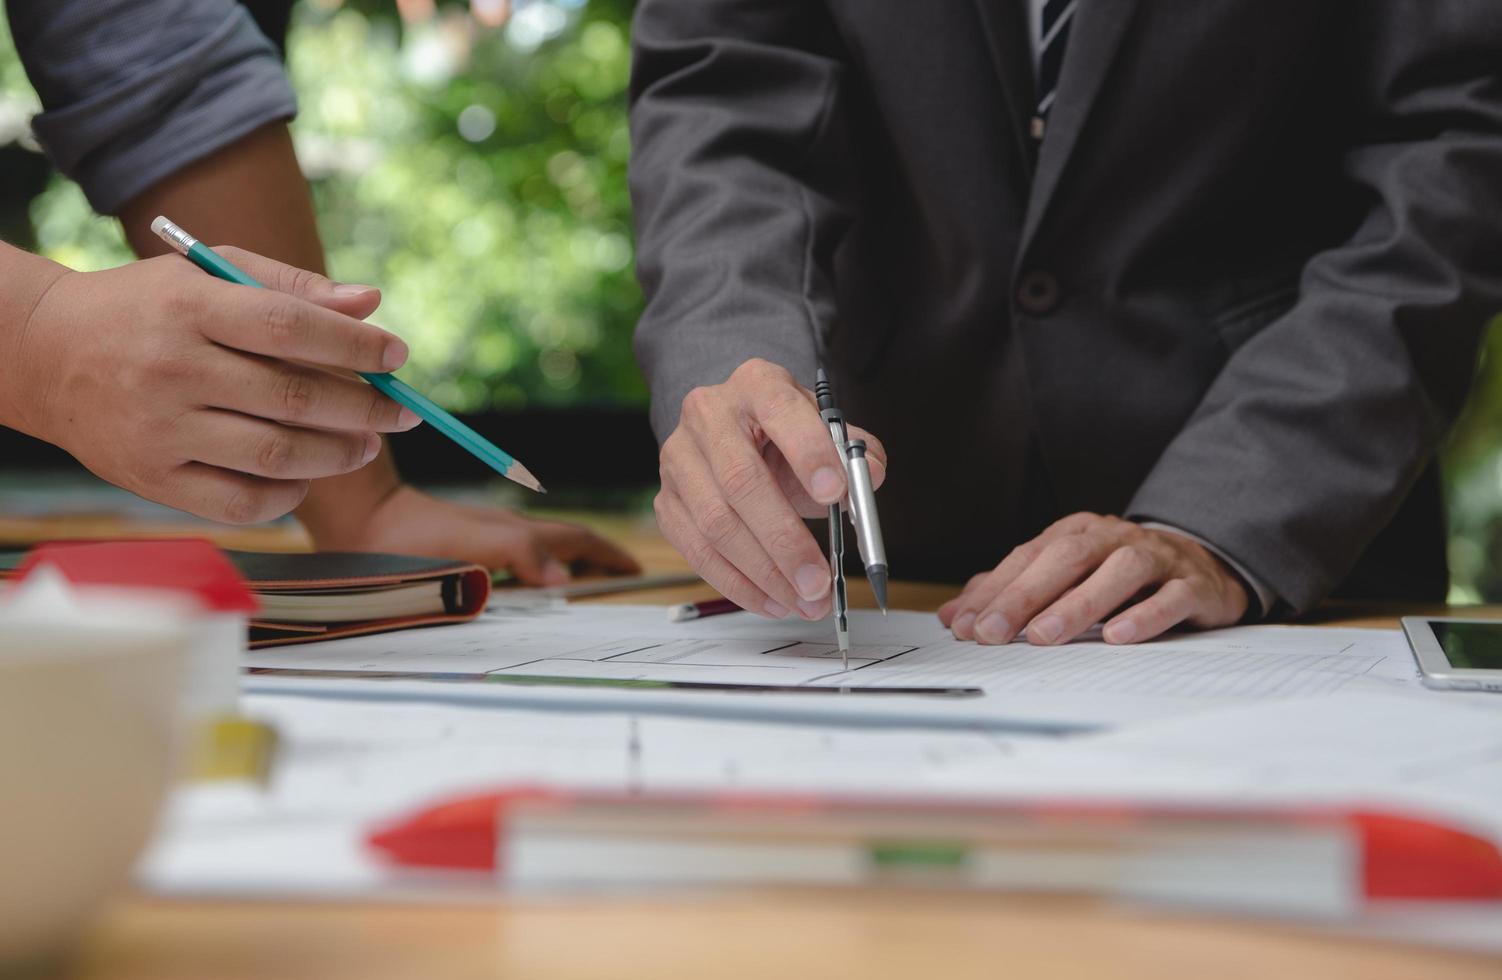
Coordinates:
[346,298]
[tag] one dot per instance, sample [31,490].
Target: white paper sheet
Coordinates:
[1076,686]
[1426,751]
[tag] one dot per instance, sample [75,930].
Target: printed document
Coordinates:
[1076,686]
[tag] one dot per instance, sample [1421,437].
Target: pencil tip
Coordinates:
[520,474]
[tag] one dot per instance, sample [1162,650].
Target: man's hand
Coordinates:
[1085,568]
[408,522]
[750,458]
[210,397]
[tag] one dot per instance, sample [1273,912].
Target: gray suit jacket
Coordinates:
[1238,289]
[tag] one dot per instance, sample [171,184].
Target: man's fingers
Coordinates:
[947,611]
[300,395]
[265,321]
[350,299]
[260,448]
[1061,565]
[679,529]
[1153,616]
[791,421]
[983,589]
[1124,573]
[724,525]
[727,486]
[231,498]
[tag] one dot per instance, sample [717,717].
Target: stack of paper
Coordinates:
[1075,687]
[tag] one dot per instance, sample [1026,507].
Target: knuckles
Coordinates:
[1072,551]
[716,522]
[285,325]
[252,504]
[659,511]
[1139,560]
[740,477]
[275,453]
[697,402]
[758,371]
[787,539]
[167,366]
[182,301]
[295,395]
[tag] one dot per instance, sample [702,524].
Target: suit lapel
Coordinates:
[1004,24]
[1099,28]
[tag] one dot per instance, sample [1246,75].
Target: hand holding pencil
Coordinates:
[415,402]
[202,395]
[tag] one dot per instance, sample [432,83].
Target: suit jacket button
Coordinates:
[1039,293]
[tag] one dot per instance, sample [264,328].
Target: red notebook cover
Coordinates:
[222,578]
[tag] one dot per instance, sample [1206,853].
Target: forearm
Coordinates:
[739,190]
[252,194]
[1315,431]
[27,279]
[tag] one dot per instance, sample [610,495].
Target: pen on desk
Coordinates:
[389,385]
[700,610]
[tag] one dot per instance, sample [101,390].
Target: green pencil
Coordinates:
[388,384]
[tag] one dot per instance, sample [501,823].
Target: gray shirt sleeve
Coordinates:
[134,90]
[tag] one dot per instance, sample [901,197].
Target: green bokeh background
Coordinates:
[478,176]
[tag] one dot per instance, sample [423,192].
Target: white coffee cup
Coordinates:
[88,687]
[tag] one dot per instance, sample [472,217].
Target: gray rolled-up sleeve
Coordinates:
[134,90]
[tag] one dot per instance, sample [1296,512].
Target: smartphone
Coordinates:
[1457,654]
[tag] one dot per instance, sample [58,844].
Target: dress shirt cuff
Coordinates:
[1259,590]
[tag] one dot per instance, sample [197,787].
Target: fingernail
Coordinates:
[1047,629]
[554,572]
[963,624]
[372,448]
[395,355]
[349,290]
[408,419]
[993,629]
[811,610]
[827,485]
[775,610]
[812,581]
[1122,632]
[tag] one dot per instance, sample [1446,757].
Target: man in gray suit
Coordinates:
[1215,270]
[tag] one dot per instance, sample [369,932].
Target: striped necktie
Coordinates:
[1053,31]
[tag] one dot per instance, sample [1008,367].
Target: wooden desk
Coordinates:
[793,935]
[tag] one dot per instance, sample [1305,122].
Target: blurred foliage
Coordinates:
[478,176]
[1473,483]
